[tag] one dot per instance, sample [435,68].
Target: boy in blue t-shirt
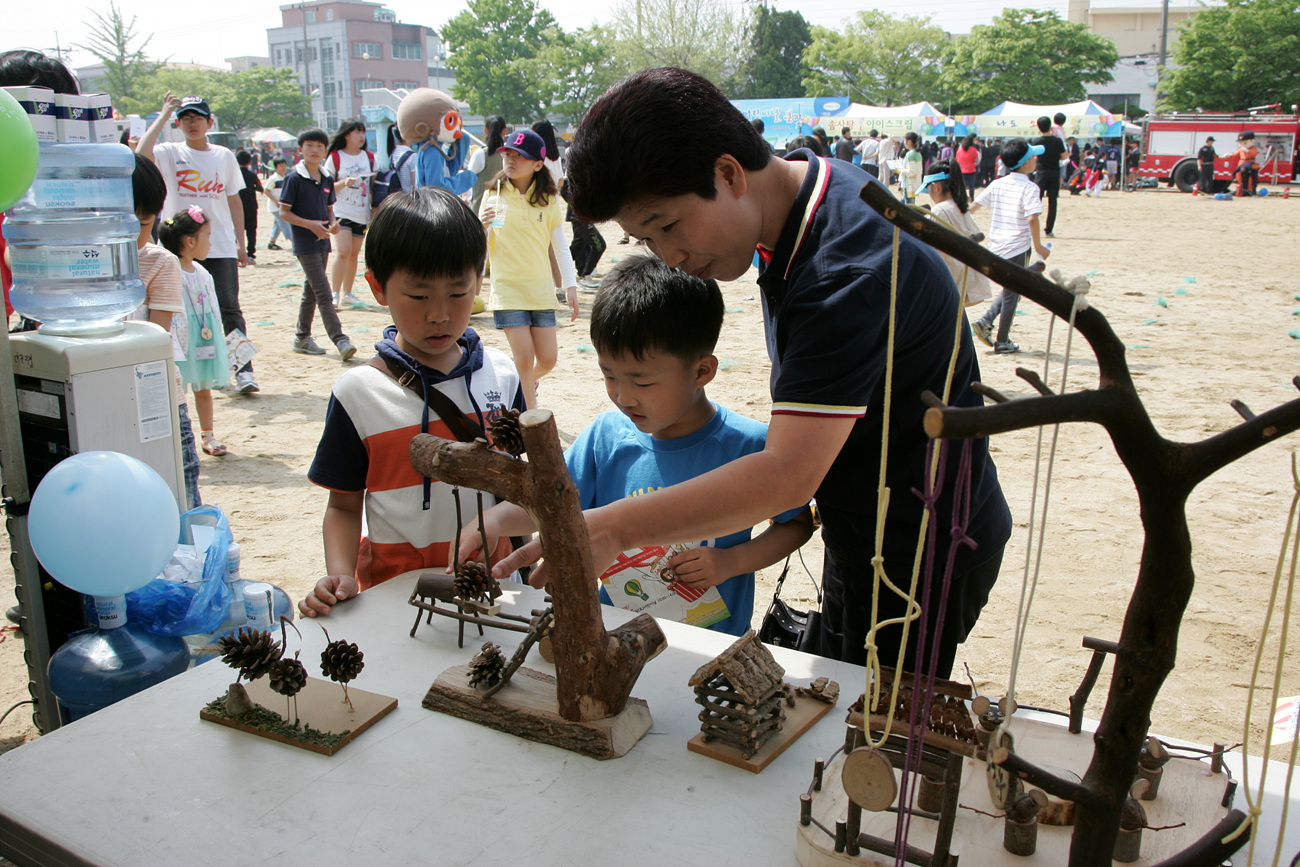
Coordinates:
[654,329]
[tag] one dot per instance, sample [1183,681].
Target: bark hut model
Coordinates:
[1164,473]
[595,669]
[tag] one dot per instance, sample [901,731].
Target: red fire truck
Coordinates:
[1170,143]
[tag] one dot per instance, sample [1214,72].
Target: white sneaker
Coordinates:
[350,300]
[244,382]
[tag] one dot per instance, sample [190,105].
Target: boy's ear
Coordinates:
[705,369]
[376,289]
[730,175]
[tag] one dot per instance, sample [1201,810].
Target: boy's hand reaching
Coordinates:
[170,103]
[702,568]
[471,543]
[320,230]
[328,592]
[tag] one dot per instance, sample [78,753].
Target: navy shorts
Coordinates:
[522,318]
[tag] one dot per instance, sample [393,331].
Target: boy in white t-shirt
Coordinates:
[207,175]
[1013,232]
[274,183]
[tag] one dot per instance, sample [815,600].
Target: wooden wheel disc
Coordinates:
[868,779]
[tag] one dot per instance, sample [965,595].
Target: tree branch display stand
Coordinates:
[1095,773]
[595,669]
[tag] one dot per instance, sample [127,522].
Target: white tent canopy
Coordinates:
[272,135]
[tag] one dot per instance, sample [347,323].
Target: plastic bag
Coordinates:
[170,608]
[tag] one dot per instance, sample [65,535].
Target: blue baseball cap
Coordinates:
[526,143]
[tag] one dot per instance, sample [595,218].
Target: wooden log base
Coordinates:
[1188,793]
[527,708]
[798,719]
[321,706]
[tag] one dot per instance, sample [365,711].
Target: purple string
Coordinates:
[922,699]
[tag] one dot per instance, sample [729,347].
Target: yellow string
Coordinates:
[1290,537]
[877,562]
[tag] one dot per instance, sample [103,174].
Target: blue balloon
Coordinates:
[103,523]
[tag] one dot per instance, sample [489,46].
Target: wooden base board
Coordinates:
[321,706]
[798,719]
[526,707]
[1188,793]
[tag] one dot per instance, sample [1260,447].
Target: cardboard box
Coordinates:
[73,114]
[38,102]
[103,128]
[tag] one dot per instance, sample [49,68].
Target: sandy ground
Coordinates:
[1203,293]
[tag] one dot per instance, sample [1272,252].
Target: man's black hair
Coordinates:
[646,306]
[148,187]
[1013,152]
[758,124]
[24,68]
[315,134]
[429,232]
[279,160]
[243,157]
[1044,124]
[845,132]
[875,133]
[656,134]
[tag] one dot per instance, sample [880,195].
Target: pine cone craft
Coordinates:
[486,667]
[473,581]
[341,661]
[506,436]
[251,651]
[288,677]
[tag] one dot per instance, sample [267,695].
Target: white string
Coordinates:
[1029,584]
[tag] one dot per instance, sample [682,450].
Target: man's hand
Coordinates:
[328,592]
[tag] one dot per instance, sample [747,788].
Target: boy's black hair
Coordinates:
[810,142]
[629,146]
[148,187]
[1044,124]
[315,134]
[1059,117]
[646,306]
[429,232]
[758,124]
[1013,151]
[176,228]
[243,157]
[279,160]
[22,68]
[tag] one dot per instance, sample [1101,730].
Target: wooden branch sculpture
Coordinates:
[595,670]
[1164,473]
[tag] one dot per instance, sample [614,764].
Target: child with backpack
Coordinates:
[352,167]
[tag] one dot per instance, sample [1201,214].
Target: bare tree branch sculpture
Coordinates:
[595,670]
[1164,473]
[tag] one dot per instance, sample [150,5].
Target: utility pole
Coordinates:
[306,63]
[1164,46]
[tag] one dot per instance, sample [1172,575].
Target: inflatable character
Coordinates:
[431,124]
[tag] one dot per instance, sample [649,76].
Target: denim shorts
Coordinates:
[521,318]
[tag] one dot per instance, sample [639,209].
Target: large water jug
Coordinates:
[72,241]
[97,667]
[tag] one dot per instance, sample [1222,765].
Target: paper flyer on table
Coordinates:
[637,582]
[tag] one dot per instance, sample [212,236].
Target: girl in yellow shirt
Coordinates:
[525,221]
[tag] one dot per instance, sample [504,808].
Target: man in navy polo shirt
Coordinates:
[826,287]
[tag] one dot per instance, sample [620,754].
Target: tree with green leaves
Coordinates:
[705,36]
[1235,56]
[773,68]
[878,59]
[572,70]
[1026,55]
[241,101]
[488,42]
[113,42]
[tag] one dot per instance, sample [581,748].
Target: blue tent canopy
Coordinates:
[783,119]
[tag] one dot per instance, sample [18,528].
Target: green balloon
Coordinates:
[18,151]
